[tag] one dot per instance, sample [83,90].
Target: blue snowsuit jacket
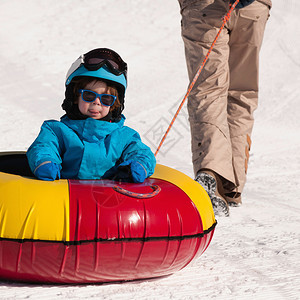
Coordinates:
[88,149]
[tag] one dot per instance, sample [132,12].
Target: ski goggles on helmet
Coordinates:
[97,58]
[91,96]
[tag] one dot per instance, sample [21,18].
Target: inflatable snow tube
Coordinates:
[81,231]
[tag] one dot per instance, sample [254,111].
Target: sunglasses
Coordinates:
[97,58]
[90,96]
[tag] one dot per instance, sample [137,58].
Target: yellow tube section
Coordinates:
[33,209]
[193,189]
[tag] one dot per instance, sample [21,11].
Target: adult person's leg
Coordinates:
[246,34]
[207,104]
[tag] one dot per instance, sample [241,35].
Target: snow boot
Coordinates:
[233,199]
[209,181]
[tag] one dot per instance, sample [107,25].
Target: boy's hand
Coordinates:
[47,171]
[131,171]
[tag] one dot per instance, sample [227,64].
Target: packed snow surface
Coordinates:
[255,253]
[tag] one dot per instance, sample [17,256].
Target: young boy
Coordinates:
[91,141]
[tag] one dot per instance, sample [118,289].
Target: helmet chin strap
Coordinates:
[107,118]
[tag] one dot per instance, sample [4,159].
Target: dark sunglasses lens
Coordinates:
[107,100]
[88,96]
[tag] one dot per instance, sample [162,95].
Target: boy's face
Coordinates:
[94,109]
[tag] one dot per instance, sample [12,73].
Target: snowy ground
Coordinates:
[254,253]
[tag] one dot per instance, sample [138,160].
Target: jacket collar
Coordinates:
[90,128]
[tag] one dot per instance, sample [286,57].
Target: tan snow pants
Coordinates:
[223,100]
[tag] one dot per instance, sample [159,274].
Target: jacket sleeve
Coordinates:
[45,148]
[136,150]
